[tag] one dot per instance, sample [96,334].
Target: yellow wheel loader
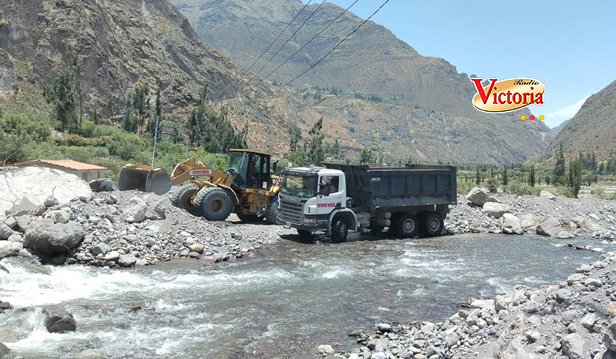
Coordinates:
[246,187]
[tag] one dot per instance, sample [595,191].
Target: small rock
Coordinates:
[611,309]
[594,282]
[609,338]
[576,277]
[100,248]
[10,249]
[136,212]
[5,231]
[452,340]
[547,194]
[564,235]
[496,210]
[573,346]
[58,320]
[383,327]
[4,350]
[112,256]
[479,197]
[325,349]
[102,185]
[51,201]
[196,247]
[111,199]
[127,260]
[589,320]
[532,336]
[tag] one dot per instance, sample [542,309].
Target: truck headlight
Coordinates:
[309,221]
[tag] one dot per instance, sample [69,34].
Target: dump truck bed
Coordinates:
[372,188]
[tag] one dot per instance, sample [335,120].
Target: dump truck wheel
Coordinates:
[340,231]
[182,198]
[249,218]
[271,214]
[406,226]
[215,203]
[432,224]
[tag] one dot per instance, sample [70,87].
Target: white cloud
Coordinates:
[567,112]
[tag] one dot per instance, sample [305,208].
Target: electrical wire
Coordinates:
[289,39]
[314,37]
[338,44]
[277,37]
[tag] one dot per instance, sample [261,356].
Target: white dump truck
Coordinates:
[340,197]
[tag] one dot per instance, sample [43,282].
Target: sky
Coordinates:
[568,45]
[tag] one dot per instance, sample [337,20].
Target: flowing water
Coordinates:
[282,303]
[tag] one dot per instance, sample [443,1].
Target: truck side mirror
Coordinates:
[275,166]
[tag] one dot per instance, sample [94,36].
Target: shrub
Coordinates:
[492,185]
[521,189]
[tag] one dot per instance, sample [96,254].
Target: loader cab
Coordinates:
[249,169]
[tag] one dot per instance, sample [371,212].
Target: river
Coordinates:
[281,303]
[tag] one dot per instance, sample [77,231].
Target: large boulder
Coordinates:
[479,197]
[550,227]
[588,226]
[5,231]
[547,194]
[529,222]
[496,210]
[9,249]
[59,320]
[511,224]
[51,239]
[4,350]
[137,210]
[36,184]
[609,338]
[102,185]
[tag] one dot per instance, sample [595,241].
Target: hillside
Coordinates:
[373,61]
[120,45]
[556,130]
[593,128]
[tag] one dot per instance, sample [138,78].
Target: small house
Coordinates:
[85,171]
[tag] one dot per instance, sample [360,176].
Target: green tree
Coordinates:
[477,176]
[315,151]
[158,117]
[575,176]
[366,156]
[559,169]
[531,175]
[505,177]
[62,97]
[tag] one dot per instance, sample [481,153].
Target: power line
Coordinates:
[289,39]
[314,37]
[277,37]
[338,44]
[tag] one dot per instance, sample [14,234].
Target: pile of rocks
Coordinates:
[481,212]
[125,229]
[575,319]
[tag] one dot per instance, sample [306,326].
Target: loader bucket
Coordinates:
[144,178]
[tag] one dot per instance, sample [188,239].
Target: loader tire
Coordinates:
[182,198]
[214,203]
[271,214]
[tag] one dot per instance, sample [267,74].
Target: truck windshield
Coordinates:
[300,186]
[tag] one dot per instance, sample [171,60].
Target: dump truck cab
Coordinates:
[310,196]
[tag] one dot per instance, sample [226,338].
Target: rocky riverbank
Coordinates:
[547,214]
[122,229]
[130,228]
[574,319]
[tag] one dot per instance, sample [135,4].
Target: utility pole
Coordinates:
[155,142]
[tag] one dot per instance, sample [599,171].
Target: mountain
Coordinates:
[373,63]
[556,130]
[122,44]
[593,128]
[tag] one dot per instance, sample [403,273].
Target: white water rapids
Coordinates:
[283,303]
